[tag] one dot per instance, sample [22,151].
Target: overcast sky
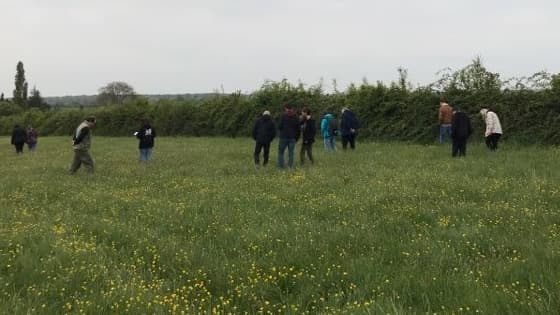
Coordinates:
[72,47]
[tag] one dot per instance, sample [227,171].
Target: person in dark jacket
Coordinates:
[308,130]
[81,142]
[461,130]
[289,134]
[349,125]
[146,135]
[19,137]
[264,131]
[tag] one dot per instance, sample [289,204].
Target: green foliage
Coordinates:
[20,91]
[115,93]
[9,108]
[529,108]
[36,100]
[388,228]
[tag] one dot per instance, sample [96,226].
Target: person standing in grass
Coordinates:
[146,136]
[264,131]
[348,126]
[32,138]
[493,128]
[445,116]
[329,130]
[19,137]
[308,131]
[461,130]
[289,134]
[81,143]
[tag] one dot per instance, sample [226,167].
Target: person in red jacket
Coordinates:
[445,116]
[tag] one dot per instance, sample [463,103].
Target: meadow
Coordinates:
[391,228]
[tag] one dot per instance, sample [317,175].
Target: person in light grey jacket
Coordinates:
[493,128]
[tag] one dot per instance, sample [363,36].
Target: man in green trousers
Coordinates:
[81,144]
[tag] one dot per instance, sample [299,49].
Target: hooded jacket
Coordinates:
[289,125]
[325,124]
[264,129]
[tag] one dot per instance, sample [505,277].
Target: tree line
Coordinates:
[529,108]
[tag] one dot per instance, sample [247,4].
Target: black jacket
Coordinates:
[460,126]
[264,129]
[308,130]
[348,122]
[289,126]
[146,136]
[19,135]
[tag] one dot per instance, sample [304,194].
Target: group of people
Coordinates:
[81,142]
[456,124]
[21,136]
[291,128]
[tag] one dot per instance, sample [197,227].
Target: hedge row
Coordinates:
[394,112]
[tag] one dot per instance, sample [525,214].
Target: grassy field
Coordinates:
[388,229]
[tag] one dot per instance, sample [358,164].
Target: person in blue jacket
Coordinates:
[329,130]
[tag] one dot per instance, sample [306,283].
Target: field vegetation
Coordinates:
[392,228]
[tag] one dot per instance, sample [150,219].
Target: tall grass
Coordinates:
[390,228]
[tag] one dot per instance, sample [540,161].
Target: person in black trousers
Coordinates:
[19,137]
[264,132]
[349,125]
[461,130]
[308,130]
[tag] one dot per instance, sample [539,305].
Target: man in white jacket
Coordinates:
[493,128]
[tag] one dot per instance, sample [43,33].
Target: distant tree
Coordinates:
[2,97]
[20,92]
[403,83]
[35,100]
[115,93]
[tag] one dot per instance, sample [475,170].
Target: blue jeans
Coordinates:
[282,144]
[145,154]
[444,130]
[330,144]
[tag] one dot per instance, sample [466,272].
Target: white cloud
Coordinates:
[70,47]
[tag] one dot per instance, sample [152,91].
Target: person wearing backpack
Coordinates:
[329,130]
[264,132]
[348,126]
[32,138]
[146,136]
